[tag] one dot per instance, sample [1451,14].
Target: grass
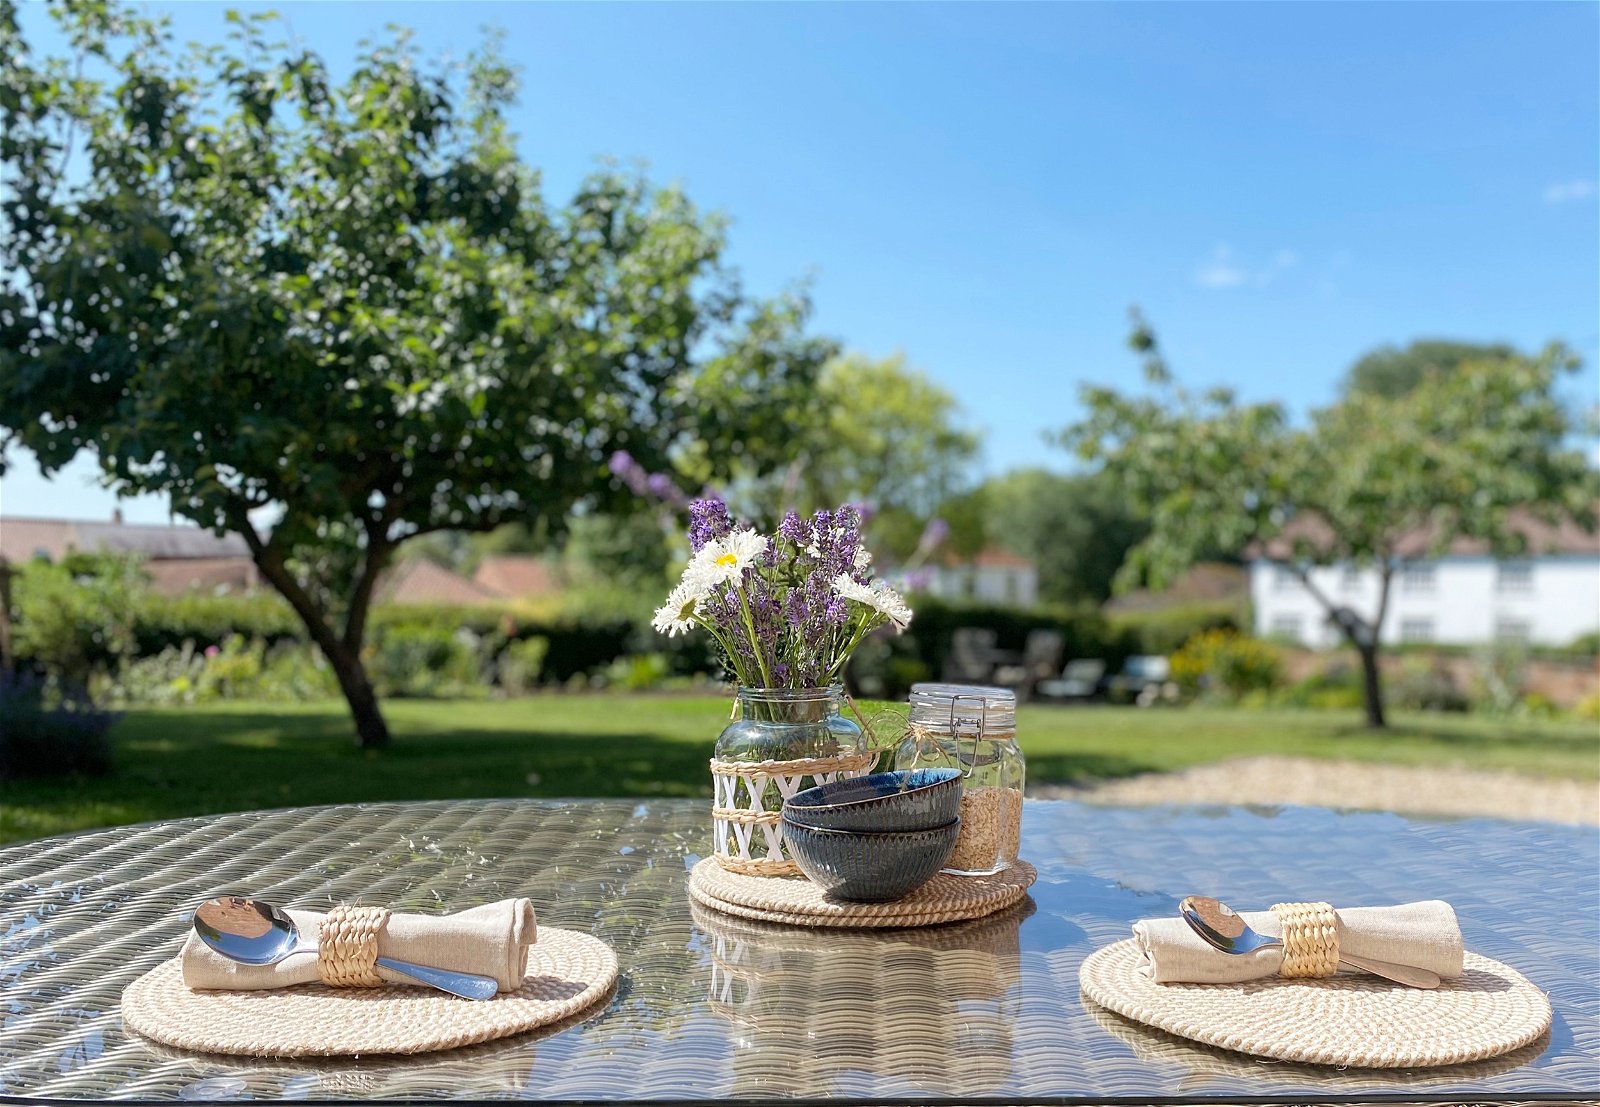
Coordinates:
[241,756]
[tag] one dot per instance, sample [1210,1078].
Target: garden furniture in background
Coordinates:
[718,1010]
[971,659]
[1041,660]
[1082,679]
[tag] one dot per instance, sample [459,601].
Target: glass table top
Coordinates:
[711,1008]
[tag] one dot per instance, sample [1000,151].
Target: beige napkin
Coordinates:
[491,940]
[1424,935]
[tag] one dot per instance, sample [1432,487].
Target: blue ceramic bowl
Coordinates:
[869,867]
[906,799]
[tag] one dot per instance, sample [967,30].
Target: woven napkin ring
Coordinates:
[1310,939]
[347,946]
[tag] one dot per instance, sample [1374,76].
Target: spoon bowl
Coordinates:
[1223,927]
[255,932]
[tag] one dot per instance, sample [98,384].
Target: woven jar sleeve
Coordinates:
[1310,939]
[347,946]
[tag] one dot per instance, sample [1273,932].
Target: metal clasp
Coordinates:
[982,721]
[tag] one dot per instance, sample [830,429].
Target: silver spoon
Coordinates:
[254,932]
[1220,925]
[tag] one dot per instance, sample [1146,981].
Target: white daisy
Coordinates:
[862,559]
[677,615]
[878,596]
[724,560]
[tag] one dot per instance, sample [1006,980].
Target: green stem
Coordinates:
[727,648]
[755,643]
[866,628]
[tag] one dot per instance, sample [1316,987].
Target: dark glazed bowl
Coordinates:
[869,867]
[906,799]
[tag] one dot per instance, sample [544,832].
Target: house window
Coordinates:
[1515,577]
[1350,578]
[1512,630]
[1416,630]
[1418,576]
[1283,579]
[1286,626]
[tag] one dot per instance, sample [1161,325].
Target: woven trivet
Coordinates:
[1351,1020]
[567,972]
[797,901]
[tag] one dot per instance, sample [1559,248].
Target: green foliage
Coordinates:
[521,663]
[1163,631]
[1391,371]
[45,733]
[1372,480]
[1225,666]
[1586,645]
[638,672]
[245,286]
[240,668]
[78,615]
[1076,529]
[415,659]
[1338,687]
[1422,685]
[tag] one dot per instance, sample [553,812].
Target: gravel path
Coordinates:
[1354,784]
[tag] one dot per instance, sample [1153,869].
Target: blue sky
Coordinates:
[990,187]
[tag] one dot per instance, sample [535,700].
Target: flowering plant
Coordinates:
[785,610]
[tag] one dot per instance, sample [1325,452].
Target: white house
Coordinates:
[993,576]
[1466,596]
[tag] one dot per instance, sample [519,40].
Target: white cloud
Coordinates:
[1220,271]
[1224,270]
[1563,191]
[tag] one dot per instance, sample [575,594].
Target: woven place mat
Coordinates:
[567,972]
[1356,1020]
[797,901]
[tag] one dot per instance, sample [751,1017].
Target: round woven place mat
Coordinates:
[797,901]
[567,972]
[1356,1020]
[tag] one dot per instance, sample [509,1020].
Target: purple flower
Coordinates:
[708,521]
[628,471]
[934,533]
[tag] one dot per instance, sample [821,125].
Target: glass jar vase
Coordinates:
[973,729]
[784,741]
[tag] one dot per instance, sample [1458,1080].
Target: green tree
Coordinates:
[881,433]
[345,308]
[1076,529]
[1371,481]
[1392,371]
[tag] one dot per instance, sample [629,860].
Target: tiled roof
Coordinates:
[1565,537]
[420,581]
[23,539]
[515,576]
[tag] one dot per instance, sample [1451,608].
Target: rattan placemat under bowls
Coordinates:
[567,972]
[1350,1020]
[799,902]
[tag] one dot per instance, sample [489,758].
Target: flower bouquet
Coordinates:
[785,612]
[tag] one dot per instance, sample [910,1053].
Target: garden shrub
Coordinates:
[1337,687]
[1588,707]
[1163,632]
[638,672]
[45,731]
[425,661]
[75,617]
[520,664]
[1225,665]
[1423,686]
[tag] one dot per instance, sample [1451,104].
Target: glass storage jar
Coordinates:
[784,740]
[973,729]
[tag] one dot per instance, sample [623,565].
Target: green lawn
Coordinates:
[235,757]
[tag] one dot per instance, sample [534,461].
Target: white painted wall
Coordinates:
[1456,600]
[1002,585]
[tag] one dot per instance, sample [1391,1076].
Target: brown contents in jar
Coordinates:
[991,829]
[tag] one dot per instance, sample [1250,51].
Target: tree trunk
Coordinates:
[1372,686]
[371,730]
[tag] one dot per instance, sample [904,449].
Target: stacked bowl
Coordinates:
[875,838]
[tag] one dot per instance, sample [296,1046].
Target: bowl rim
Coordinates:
[875,799]
[956,822]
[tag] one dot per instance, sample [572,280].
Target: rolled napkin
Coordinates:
[491,940]
[1424,935]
